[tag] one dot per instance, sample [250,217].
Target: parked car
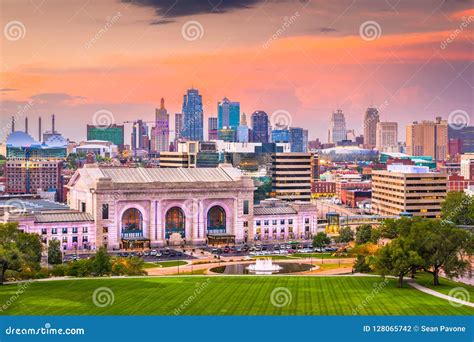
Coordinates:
[153,252]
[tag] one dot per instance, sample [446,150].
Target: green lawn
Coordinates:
[445,286]
[164,264]
[224,295]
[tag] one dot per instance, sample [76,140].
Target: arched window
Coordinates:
[175,222]
[216,220]
[132,221]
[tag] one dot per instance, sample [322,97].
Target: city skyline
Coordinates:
[306,58]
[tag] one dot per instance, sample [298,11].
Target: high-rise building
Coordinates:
[467,166]
[260,126]
[387,137]
[465,136]
[228,114]
[193,116]
[161,132]
[212,128]
[291,176]
[178,126]
[428,138]
[337,128]
[305,140]
[35,177]
[243,130]
[140,137]
[281,136]
[113,133]
[297,139]
[371,119]
[408,189]
[227,134]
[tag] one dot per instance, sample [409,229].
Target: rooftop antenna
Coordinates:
[13,124]
[52,123]
[39,129]
[26,125]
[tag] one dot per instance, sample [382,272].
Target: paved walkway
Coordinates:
[429,291]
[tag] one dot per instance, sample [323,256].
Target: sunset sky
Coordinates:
[74,58]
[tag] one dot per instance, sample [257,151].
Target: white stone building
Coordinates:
[149,207]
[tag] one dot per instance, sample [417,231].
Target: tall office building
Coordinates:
[212,128]
[113,133]
[228,114]
[465,135]
[387,137]
[161,133]
[178,126]
[192,116]
[428,138]
[337,128]
[297,139]
[281,136]
[467,166]
[243,130]
[371,119]
[408,189]
[140,138]
[305,140]
[259,126]
[291,176]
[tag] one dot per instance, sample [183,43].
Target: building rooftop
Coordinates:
[33,205]
[70,216]
[279,210]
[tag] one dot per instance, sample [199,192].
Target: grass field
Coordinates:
[224,296]
[164,264]
[445,286]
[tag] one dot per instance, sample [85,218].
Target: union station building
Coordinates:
[153,207]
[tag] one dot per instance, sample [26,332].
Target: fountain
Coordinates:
[264,266]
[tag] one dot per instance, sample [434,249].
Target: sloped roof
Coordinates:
[273,210]
[63,217]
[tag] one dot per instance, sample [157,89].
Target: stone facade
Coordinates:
[108,193]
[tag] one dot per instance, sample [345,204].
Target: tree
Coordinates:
[321,239]
[444,247]
[363,234]
[398,258]
[390,228]
[101,264]
[54,252]
[18,250]
[345,235]
[458,208]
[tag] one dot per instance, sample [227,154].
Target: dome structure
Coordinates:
[21,139]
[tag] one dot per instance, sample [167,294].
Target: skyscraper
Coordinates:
[371,119]
[387,136]
[178,126]
[296,139]
[260,126]
[140,138]
[337,128]
[212,128]
[228,114]
[192,116]
[428,138]
[161,131]
[243,130]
